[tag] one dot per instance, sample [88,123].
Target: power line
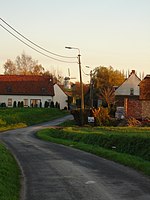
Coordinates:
[35,48]
[85,73]
[33,42]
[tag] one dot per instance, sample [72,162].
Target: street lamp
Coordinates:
[81,83]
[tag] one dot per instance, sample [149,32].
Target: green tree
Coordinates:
[104,79]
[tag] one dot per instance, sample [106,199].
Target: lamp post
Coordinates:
[81,83]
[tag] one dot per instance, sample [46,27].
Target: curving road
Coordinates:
[55,172]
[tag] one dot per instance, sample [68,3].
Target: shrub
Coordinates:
[15,104]
[52,104]
[120,140]
[101,115]
[3,105]
[46,104]
[77,114]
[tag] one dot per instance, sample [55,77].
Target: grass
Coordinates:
[88,139]
[9,176]
[12,118]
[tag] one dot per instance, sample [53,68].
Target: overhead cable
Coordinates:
[33,42]
[35,48]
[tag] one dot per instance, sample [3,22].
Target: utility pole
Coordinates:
[91,90]
[81,85]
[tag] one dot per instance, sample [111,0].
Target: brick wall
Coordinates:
[145,109]
[133,108]
[119,99]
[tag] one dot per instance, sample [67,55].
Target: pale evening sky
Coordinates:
[107,32]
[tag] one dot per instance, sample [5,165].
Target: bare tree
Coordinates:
[108,96]
[9,67]
[23,65]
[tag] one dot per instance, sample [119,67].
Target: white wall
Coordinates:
[17,98]
[132,82]
[60,97]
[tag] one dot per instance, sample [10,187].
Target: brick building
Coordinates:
[128,89]
[139,108]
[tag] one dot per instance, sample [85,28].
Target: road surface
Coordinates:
[55,172]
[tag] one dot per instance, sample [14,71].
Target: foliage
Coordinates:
[78,114]
[9,176]
[23,65]
[104,77]
[10,67]
[109,96]
[101,115]
[104,80]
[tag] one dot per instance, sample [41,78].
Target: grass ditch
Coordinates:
[9,176]
[128,146]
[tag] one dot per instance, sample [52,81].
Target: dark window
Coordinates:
[131,91]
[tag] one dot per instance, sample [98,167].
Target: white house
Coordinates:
[60,96]
[32,90]
[130,86]
[128,89]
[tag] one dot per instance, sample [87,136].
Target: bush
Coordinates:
[3,105]
[101,115]
[15,104]
[77,114]
[46,104]
[52,104]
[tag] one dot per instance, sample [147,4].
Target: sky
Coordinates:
[107,32]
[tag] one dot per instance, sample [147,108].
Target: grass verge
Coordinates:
[9,176]
[123,158]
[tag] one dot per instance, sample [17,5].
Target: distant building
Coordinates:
[129,88]
[140,108]
[32,90]
[60,96]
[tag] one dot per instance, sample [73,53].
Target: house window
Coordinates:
[131,91]
[26,102]
[35,102]
[9,102]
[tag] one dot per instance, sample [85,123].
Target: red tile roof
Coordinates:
[26,85]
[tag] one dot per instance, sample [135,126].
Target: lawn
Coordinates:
[21,117]
[126,145]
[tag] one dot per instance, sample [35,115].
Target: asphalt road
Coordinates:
[55,172]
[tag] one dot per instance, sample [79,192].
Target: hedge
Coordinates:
[136,145]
